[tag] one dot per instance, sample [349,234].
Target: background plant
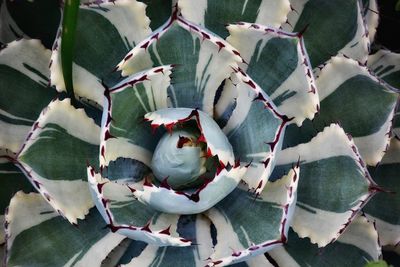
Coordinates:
[333,184]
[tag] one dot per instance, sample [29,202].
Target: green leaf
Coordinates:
[384,208]
[331,27]
[359,101]
[24,90]
[70,19]
[203,60]
[380,263]
[358,245]
[398,6]
[278,63]
[214,15]
[55,154]
[333,187]
[37,236]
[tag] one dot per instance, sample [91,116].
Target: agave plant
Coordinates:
[200,133]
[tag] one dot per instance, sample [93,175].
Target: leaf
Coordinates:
[70,19]
[330,28]
[37,236]
[358,244]
[248,225]
[254,144]
[12,180]
[370,12]
[54,157]
[279,64]
[203,61]
[214,15]
[30,20]
[196,227]
[126,215]
[104,34]
[333,187]
[24,91]
[358,100]
[384,208]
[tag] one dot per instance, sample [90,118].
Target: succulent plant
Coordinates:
[204,133]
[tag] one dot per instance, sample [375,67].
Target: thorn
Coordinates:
[301,33]
[166,231]
[147,227]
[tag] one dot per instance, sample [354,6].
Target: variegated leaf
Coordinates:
[214,15]
[29,19]
[248,225]
[12,180]
[54,157]
[333,187]
[384,209]
[105,33]
[358,245]
[158,11]
[196,227]
[203,61]
[329,28]
[125,214]
[359,101]
[385,65]
[279,64]
[24,90]
[230,235]
[370,12]
[124,133]
[37,236]
[254,144]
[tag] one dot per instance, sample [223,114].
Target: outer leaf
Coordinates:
[253,143]
[24,90]
[63,138]
[386,66]
[125,215]
[204,61]
[278,62]
[214,15]
[247,225]
[353,89]
[334,184]
[331,27]
[12,180]
[115,27]
[384,209]
[29,19]
[371,17]
[37,236]
[158,11]
[358,245]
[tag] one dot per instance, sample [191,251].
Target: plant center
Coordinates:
[179,158]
